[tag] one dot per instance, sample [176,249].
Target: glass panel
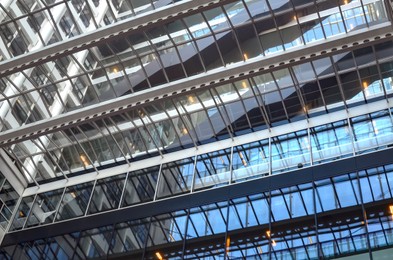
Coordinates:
[8,200]
[168,229]
[75,201]
[290,151]
[95,242]
[372,132]
[176,177]
[207,221]
[45,207]
[345,234]
[22,213]
[212,169]
[107,194]
[250,161]
[140,186]
[131,237]
[331,142]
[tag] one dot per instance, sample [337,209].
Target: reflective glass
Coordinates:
[140,186]
[330,142]
[44,208]
[250,161]
[131,236]
[107,194]
[22,213]
[75,201]
[372,132]
[349,233]
[290,151]
[176,178]
[212,169]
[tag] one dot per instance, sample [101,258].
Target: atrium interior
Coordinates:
[205,129]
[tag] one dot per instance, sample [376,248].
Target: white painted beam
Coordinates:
[222,75]
[218,145]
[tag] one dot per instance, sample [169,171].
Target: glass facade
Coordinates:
[117,106]
[326,218]
[219,37]
[263,158]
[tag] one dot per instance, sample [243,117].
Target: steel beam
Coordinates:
[12,173]
[196,199]
[116,31]
[237,71]
[115,169]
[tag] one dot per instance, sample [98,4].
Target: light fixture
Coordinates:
[391,209]
[159,256]
[245,56]
[21,214]
[184,131]
[366,90]
[191,99]
[115,70]
[268,233]
[227,244]
[242,158]
[171,237]
[274,243]
[345,2]
[244,84]
[73,194]
[84,159]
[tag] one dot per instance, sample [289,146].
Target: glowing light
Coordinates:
[22,214]
[345,2]
[73,194]
[191,99]
[242,159]
[115,70]
[245,56]
[159,256]
[365,86]
[268,233]
[84,159]
[171,237]
[274,243]
[244,84]
[260,251]
[294,17]
[227,244]
[391,209]
[184,131]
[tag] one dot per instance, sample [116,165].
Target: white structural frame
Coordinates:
[218,145]
[214,77]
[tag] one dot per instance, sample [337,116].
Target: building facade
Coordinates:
[209,129]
